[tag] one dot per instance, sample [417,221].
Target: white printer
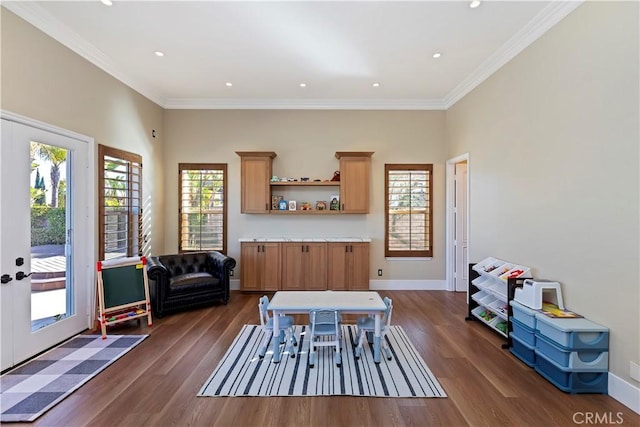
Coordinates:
[534,291]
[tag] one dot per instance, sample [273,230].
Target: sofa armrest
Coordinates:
[156,270]
[221,265]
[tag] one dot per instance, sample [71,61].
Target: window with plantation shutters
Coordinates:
[408,210]
[203,207]
[120,203]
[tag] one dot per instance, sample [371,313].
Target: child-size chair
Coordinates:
[285,325]
[324,323]
[367,325]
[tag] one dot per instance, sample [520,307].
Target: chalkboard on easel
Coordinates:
[122,291]
[123,285]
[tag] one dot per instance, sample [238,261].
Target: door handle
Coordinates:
[6,278]
[20,275]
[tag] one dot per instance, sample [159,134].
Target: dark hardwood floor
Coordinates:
[157,382]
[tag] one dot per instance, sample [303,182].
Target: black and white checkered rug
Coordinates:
[242,373]
[31,389]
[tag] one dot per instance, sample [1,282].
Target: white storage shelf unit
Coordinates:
[489,291]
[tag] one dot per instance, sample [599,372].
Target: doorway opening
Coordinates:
[457,223]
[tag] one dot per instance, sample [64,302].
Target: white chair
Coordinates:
[285,324]
[324,323]
[367,326]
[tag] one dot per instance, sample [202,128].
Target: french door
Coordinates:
[46,242]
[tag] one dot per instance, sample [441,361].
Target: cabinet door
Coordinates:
[315,270]
[337,266]
[270,266]
[355,175]
[255,190]
[250,259]
[358,266]
[293,274]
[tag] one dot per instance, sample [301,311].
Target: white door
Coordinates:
[461,276]
[46,238]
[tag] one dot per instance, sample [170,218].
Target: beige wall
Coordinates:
[43,80]
[553,144]
[305,143]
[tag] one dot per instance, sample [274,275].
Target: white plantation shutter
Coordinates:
[408,210]
[120,203]
[203,212]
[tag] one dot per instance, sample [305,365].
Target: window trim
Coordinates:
[103,151]
[204,166]
[426,167]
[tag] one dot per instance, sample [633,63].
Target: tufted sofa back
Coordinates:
[185,263]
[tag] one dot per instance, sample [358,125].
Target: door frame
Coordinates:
[88,275]
[450,217]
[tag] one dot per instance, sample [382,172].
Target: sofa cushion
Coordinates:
[192,281]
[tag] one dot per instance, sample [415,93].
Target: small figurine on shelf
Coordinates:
[275,178]
[283,205]
[305,206]
[334,205]
[321,205]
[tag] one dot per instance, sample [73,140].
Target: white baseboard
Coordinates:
[624,392]
[387,285]
[408,285]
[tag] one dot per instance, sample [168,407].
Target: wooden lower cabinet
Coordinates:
[304,266]
[348,266]
[299,266]
[260,266]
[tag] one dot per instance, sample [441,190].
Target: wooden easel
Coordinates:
[123,291]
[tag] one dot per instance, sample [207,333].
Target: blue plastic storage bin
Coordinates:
[523,314]
[523,332]
[523,351]
[571,381]
[582,360]
[573,334]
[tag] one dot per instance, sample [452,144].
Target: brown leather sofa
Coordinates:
[184,281]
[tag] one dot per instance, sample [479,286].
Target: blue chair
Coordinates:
[285,334]
[367,326]
[324,323]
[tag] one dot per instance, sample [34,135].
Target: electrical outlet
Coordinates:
[379,272]
[634,371]
[231,273]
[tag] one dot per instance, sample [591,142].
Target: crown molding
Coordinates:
[302,104]
[540,24]
[48,24]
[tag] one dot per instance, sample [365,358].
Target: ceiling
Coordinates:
[265,50]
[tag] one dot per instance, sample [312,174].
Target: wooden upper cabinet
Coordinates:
[355,180]
[255,175]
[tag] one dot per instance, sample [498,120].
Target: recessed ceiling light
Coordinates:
[303,85]
[474,4]
[228,84]
[158,53]
[106,2]
[376,84]
[437,55]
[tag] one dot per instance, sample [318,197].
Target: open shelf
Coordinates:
[305,183]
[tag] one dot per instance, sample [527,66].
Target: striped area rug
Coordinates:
[242,373]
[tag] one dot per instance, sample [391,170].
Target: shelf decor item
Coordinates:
[321,205]
[292,205]
[275,202]
[282,205]
[305,206]
[334,204]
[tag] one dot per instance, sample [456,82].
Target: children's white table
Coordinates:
[298,302]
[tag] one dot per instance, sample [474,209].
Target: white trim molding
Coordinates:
[540,24]
[624,392]
[407,285]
